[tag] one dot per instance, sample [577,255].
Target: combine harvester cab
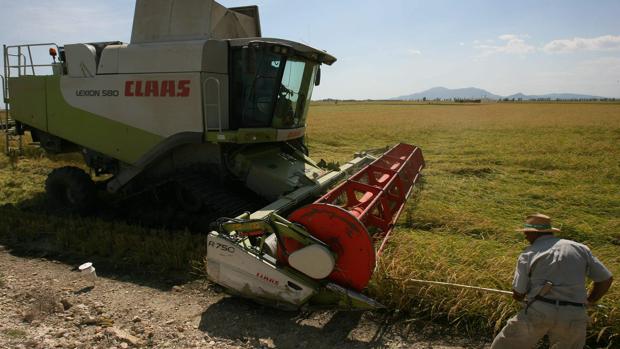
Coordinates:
[199,103]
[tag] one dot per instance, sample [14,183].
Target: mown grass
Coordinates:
[488,165]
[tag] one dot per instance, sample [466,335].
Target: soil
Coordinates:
[45,303]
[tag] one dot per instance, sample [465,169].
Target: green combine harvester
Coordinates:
[199,101]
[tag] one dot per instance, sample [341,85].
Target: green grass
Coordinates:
[488,166]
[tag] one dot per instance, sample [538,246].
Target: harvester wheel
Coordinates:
[71,189]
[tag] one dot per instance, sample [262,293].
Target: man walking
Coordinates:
[551,275]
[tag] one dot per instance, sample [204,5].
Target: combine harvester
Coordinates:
[199,100]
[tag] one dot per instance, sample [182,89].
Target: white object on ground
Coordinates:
[88,270]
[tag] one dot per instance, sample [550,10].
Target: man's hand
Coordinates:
[598,291]
[518,296]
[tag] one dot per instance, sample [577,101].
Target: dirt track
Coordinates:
[45,304]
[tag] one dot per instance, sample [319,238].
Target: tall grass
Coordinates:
[488,166]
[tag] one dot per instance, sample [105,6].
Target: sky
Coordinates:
[393,47]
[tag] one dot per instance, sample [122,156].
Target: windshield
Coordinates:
[254,81]
[294,95]
[268,89]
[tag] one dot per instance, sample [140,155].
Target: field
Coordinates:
[488,166]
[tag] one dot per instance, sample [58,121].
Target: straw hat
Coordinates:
[538,223]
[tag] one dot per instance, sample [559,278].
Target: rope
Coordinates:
[493,290]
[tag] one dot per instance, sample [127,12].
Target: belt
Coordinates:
[556,302]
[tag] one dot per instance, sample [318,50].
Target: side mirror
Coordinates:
[317,79]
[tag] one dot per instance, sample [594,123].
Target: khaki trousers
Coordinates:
[565,325]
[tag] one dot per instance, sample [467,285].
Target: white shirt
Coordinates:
[565,263]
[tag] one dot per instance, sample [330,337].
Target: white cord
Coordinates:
[460,285]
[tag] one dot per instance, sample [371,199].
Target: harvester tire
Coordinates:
[71,189]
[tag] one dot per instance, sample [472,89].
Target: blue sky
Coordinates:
[394,47]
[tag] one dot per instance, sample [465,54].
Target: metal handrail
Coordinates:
[4,62]
[19,57]
[6,115]
[3,86]
[31,61]
[32,65]
[4,89]
[33,45]
[23,63]
[7,62]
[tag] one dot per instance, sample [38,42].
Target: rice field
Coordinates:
[488,166]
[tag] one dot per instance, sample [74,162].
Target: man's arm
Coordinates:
[600,275]
[599,290]
[520,283]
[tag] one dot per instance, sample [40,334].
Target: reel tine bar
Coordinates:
[376,195]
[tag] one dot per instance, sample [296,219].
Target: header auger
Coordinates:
[198,103]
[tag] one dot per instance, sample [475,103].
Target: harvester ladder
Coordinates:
[13,142]
[7,124]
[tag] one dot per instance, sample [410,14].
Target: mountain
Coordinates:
[447,93]
[552,96]
[477,93]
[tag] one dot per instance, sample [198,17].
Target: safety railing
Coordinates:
[4,89]
[19,58]
[5,122]
[18,61]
